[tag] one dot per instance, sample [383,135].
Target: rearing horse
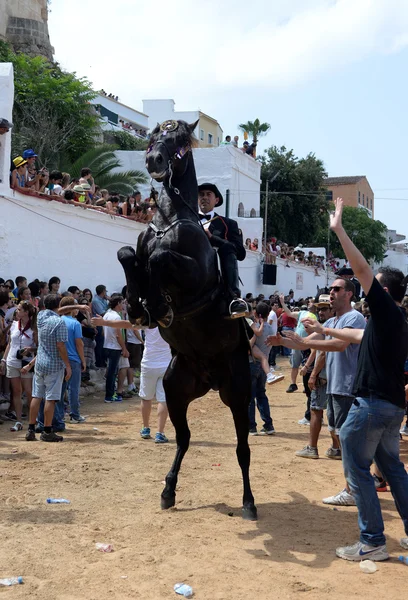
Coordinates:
[173,281]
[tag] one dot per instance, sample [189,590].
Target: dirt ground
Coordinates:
[114,480]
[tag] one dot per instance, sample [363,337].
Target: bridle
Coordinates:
[179,154]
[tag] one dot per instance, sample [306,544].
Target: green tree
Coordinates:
[297,205]
[255,128]
[368,235]
[102,161]
[52,111]
[124,140]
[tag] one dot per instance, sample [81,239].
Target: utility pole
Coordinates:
[267,200]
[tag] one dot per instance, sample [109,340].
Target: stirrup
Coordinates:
[145,320]
[240,310]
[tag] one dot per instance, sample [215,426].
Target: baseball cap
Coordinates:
[4,124]
[29,153]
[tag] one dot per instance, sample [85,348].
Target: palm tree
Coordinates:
[102,160]
[255,128]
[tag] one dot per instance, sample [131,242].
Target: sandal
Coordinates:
[17,426]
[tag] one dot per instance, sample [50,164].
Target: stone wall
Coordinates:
[23,23]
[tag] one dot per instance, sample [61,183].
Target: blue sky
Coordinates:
[328,75]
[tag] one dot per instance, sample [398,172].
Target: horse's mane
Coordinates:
[182,136]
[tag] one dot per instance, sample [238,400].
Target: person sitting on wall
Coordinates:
[226,237]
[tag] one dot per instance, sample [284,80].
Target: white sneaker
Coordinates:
[343,498]
[404,430]
[360,551]
[303,421]
[404,543]
[271,378]
[79,419]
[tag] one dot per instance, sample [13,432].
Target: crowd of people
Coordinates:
[27,178]
[246,147]
[51,341]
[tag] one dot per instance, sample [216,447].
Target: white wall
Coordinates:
[163,110]
[39,238]
[6,106]
[124,112]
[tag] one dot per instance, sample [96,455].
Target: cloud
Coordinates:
[193,49]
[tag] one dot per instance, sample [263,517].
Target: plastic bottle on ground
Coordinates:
[58,501]
[403,559]
[11,581]
[183,589]
[368,566]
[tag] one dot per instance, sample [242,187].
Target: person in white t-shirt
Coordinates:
[156,359]
[114,346]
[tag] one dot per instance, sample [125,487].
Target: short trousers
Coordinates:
[48,386]
[123,363]
[318,398]
[337,410]
[135,354]
[13,372]
[296,359]
[151,384]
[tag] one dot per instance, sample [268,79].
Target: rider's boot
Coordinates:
[238,307]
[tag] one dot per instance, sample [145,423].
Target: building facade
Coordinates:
[208,131]
[24,25]
[355,191]
[117,116]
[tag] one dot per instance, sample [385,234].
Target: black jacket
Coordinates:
[225,230]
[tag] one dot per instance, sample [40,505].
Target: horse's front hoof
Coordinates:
[167,502]
[250,513]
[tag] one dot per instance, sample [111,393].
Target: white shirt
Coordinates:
[273,321]
[19,340]
[206,222]
[156,354]
[131,337]
[110,340]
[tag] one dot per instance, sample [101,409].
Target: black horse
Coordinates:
[173,282]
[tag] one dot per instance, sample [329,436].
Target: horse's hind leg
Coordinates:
[235,393]
[181,386]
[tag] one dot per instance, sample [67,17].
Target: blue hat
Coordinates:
[29,154]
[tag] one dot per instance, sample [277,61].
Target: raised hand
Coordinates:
[336,217]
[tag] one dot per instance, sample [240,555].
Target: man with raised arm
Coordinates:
[371,431]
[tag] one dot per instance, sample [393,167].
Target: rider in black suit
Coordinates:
[224,235]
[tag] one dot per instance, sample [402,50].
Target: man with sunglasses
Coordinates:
[371,431]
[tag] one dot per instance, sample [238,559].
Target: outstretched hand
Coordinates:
[274,340]
[336,217]
[312,326]
[292,335]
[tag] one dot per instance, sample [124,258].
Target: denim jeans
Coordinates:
[371,432]
[113,357]
[100,361]
[73,386]
[258,380]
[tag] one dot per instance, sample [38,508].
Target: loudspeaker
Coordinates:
[269,275]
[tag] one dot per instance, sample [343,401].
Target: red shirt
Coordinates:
[288,321]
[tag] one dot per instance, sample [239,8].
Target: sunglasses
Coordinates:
[336,288]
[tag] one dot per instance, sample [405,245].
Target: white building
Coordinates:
[117,116]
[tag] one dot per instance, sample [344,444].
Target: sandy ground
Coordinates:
[114,480]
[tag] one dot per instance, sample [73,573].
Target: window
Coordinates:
[371,204]
[252,213]
[363,199]
[241,211]
[218,141]
[210,138]
[359,199]
[202,135]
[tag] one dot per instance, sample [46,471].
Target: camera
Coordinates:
[19,355]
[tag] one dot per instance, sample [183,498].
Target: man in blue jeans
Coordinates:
[371,430]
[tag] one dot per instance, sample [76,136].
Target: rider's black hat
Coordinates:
[212,188]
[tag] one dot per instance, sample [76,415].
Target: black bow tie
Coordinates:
[208,217]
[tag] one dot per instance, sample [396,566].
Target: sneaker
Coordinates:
[271,378]
[304,421]
[39,429]
[10,415]
[160,438]
[117,398]
[404,543]
[109,400]
[308,452]
[360,551]
[253,431]
[380,484]
[292,388]
[145,433]
[343,498]
[30,436]
[334,453]
[267,431]
[17,426]
[79,419]
[404,430]
[127,394]
[50,437]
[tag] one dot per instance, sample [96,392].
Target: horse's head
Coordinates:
[169,147]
